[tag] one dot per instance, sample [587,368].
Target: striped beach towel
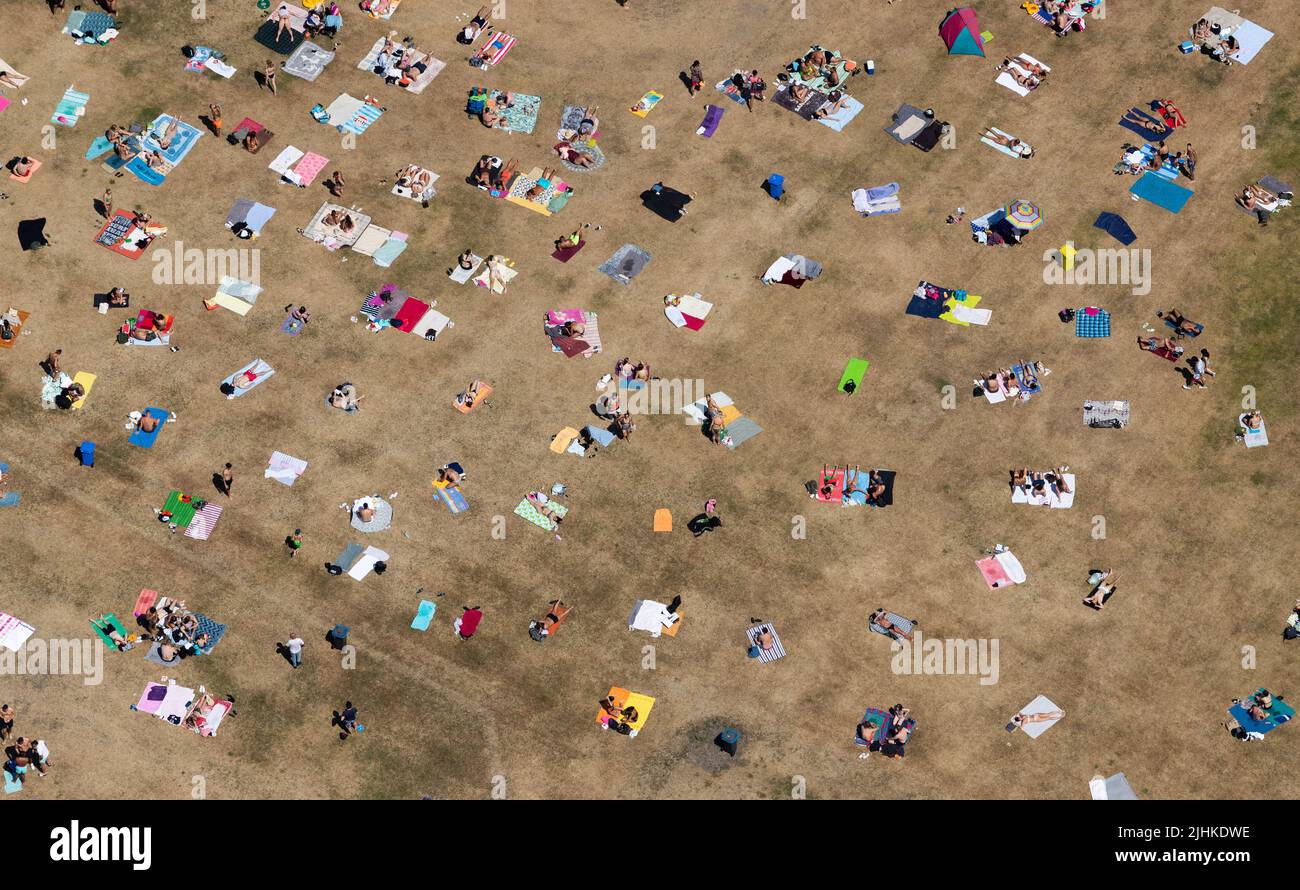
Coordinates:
[204,521]
[496,50]
[766,655]
[361,120]
[70,107]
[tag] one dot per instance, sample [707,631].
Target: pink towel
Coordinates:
[994,575]
[204,521]
[146,599]
[560,316]
[310,165]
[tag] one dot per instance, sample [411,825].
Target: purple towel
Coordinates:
[712,117]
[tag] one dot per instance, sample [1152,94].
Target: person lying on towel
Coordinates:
[468,34]
[565,151]
[540,629]
[1153,344]
[345,398]
[340,219]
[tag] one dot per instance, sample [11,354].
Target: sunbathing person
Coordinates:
[1170,113]
[836,101]
[1133,116]
[1182,326]
[542,185]
[1253,196]
[541,628]
[1026,719]
[713,420]
[572,329]
[879,619]
[482,175]
[284,23]
[245,379]
[1021,148]
[147,423]
[1028,81]
[449,476]
[1022,61]
[415,178]
[23,166]
[1153,344]
[365,511]
[1058,478]
[70,395]
[1105,587]
[566,152]
[1010,383]
[875,488]
[1020,478]
[123,643]
[1252,420]
[470,32]
[339,218]
[587,126]
[168,134]
[502,175]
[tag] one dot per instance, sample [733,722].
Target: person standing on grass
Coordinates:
[51,364]
[347,720]
[107,201]
[214,117]
[294,647]
[268,76]
[227,479]
[696,77]
[7,716]
[294,542]
[335,184]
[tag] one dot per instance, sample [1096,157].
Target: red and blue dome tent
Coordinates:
[960,31]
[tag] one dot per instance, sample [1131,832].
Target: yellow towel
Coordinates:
[663,520]
[87,380]
[730,414]
[971,301]
[562,439]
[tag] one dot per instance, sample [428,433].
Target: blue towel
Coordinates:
[1092,326]
[144,172]
[600,436]
[145,440]
[389,251]
[424,615]
[1117,227]
[10,500]
[1162,193]
[923,307]
[214,631]
[451,498]
[100,146]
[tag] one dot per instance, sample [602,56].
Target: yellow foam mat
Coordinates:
[87,380]
[971,301]
[624,698]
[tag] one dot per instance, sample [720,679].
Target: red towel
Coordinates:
[469,622]
[411,312]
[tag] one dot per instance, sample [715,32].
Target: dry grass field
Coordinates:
[1199,529]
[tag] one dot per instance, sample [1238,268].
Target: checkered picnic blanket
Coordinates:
[1092,326]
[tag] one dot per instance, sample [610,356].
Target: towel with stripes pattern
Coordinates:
[766,656]
[204,521]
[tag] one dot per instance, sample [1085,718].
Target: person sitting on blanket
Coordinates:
[252,143]
[572,329]
[503,174]
[22,166]
[875,488]
[1252,196]
[147,423]
[625,369]
[713,420]
[449,477]
[566,152]
[1152,344]
[587,126]
[1224,50]
[540,629]
[300,314]
[70,395]
[835,101]
[879,619]
[340,218]
[471,31]
[345,398]
[365,510]
[1023,149]
[1010,383]
[1252,420]
[1201,31]
[494,111]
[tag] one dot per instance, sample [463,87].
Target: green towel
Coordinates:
[182,513]
[855,370]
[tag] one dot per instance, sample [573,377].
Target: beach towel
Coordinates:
[307,61]
[140,438]
[1115,787]
[1009,81]
[284,469]
[431,324]
[1040,705]
[1105,415]
[849,109]
[740,431]
[807,109]
[854,371]
[729,89]
[70,108]
[203,523]
[263,371]
[449,497]
[307,169]
[626,263]
[285,160]
[689,311]
[91,27]
[1251,39]
[564,439]
[829,487]
[1117,227]
[907,124]
[654,618]
[249,215]
[521,116]
[464,406]
[766,656]
[1090,322]
[333,237]
[712,118]
[1164,194]
[1054,497]
[388,252]
[358,117]
[285,43]
[233,294]
[1001,570]
[87,381]
[36,165]
[14,633]
[567,251]
[646,103]
[954,299]
[423,615]
[181,508]
[530,513]
[20,78]
[877,201]
[144,601]
[183,139]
